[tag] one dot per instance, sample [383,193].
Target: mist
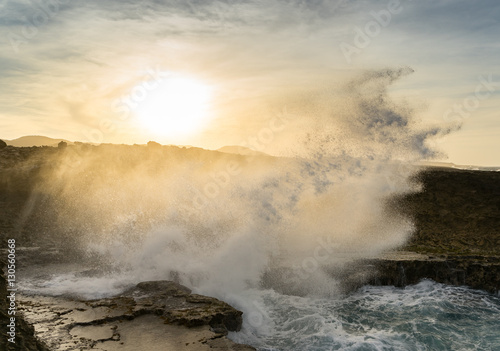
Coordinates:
[222,223]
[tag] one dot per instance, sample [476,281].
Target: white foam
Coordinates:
[171,213]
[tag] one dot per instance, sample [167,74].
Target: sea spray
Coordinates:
[426,316]
[136,209]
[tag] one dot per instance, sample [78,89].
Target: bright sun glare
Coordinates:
[174,107]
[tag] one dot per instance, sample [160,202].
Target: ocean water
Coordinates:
[426,316]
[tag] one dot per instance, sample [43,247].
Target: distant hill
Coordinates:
[240,150]
[35,140]
[452,165]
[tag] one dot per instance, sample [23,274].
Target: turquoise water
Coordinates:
[426,316]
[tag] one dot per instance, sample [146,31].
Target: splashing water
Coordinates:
[426,316]
[219,223]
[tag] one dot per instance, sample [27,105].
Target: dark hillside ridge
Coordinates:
[457,213]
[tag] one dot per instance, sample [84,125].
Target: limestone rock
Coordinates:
[163,314]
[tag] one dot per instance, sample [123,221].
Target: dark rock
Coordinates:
[176,303]
[457,213]
[164,286]
[3,144]
[475,272]
[457,219]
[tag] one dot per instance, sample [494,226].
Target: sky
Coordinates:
[99,71]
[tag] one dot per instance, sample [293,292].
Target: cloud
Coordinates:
[253,50]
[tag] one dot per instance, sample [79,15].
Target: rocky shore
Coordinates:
[457,241]
[155,315]
[477,272]
[457,219]
[152,316]
[25,333]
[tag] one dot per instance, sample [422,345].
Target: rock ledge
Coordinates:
[155,315]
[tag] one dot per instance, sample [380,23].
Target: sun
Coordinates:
[174,107]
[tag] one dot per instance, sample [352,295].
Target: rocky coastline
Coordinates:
[154,315]
[477,272]
[457,237]
[457,242]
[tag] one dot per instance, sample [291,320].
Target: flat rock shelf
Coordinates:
[157,315]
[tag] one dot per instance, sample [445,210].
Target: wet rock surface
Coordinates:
[158,315]
[477,272]
[398,269]
[25,333]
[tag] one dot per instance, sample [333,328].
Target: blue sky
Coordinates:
[64,64]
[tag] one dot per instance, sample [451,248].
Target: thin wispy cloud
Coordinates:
[69,60]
